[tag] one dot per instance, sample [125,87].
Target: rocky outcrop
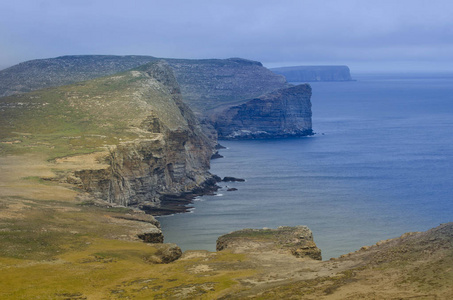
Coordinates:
[283,113]
[232,179]
[166,253]
[314,73]
[143,226]
[297,241]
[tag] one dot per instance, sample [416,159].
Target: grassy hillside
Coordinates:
[83,117]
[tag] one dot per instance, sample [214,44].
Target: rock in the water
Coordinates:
[232,179]
[297,241]
[216,155]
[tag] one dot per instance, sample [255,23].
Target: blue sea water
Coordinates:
[380,165]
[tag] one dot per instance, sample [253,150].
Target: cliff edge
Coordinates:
[204,83]
[150,142]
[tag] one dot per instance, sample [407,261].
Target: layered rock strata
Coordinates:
[297,241]
[209,83]
[174,162]
[153,143]
[283,113]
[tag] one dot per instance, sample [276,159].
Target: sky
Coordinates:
[368,36]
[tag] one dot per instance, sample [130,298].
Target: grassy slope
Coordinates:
[83,117]
[54,247]
[51,247]
[60,250]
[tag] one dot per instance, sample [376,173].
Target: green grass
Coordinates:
[84,117]
[63,251]
[76,119]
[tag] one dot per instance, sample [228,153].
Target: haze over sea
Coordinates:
[380,165]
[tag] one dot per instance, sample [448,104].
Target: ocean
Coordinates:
[379,165]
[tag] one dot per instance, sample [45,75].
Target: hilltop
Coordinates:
[208,86]
[204,83]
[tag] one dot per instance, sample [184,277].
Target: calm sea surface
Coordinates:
[381,164]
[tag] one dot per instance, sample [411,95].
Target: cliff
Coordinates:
[204,83]
[154,141]
[285,112]
[209,83]
[314,73]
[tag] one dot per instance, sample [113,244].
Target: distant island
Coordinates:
[314,73]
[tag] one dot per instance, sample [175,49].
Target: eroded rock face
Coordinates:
[283,113]
[297,241]
[175,160]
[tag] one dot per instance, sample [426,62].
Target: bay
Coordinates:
[379,165]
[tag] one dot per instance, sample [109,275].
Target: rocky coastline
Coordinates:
[88,165]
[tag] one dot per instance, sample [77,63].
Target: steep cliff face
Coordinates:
[175,161]
[154,141]
[314,73]
[210,83]
[143,171]
[283,113]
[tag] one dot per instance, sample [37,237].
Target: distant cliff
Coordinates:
[283,113]
[204,83]
[210,83]
[314,73]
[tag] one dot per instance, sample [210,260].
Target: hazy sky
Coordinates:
[378,35]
